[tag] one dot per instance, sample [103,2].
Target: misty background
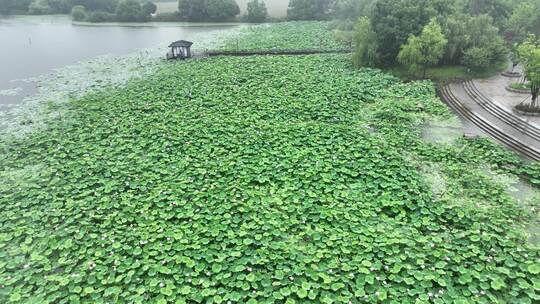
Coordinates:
[276,8]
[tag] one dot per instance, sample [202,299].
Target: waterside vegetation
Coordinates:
[266,179]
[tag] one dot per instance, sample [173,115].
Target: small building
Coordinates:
[180,49]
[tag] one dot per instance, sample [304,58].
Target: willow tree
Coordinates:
[529,55]
[365,39]
[425,49]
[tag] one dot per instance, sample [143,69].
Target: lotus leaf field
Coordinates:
[266,179]
[294,35]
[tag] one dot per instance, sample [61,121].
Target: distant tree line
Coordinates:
[54,6]
[423,33]
[220,10]
[121,11]
[84,10]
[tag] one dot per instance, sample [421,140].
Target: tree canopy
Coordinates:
[395,20]
[424,50]
[366,54]
[78,13]
[222,10]
[83,10]
[256,11]
[149,8]
[129,11]
[486,46]
[529,55]
[525,19]
[202,10]
[310,9]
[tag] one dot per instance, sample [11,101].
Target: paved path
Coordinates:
[488,105]
[494,88]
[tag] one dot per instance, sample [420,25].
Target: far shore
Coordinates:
[59,18]
[160,24]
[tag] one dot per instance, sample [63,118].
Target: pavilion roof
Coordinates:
[181,43]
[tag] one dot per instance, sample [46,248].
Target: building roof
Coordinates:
[181,43]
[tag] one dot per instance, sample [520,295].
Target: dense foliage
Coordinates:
[366,49]
[256,11]
[260,180]
[479,32]
[206,10]
[294,35]
[55,6]
[129,10]
[525,19]
[84,10]
[425,49]
[529,55]
[14,6]
[395,20]
[310,9]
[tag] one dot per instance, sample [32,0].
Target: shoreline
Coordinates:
[160,24]
[26,112]
[61,18]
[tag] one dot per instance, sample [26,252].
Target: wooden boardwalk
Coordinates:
[214,53]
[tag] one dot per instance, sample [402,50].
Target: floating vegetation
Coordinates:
[10,92]
[256,180]
[71,82]
[297,35]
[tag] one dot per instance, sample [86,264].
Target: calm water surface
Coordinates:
[33,46]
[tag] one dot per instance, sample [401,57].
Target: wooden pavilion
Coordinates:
[180,49]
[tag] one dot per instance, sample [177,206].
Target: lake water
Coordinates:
[35,45]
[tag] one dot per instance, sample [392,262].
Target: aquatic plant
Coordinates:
[267,179]
[10,92]
[57,89]
[296,35]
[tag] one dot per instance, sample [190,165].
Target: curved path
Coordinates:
[487,105]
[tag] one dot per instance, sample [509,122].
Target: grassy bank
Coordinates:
[268,179]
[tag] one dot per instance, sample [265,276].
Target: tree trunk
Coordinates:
[535,92]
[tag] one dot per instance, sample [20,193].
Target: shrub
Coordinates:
[99,16]
[520,86]
[477,57]
[78,13]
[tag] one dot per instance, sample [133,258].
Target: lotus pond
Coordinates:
[262,180]
[294,35]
